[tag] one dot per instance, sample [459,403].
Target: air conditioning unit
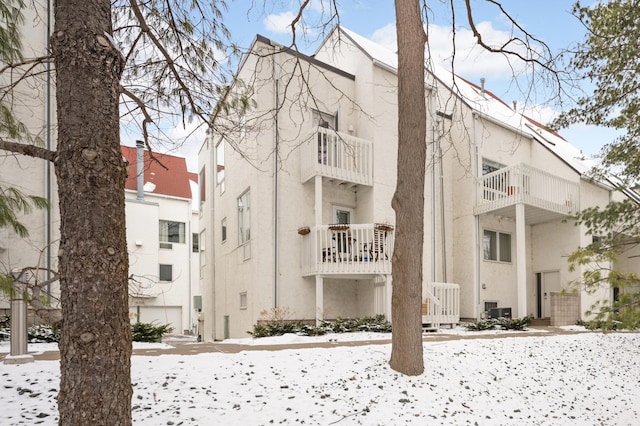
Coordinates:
[500,313]
[168,246]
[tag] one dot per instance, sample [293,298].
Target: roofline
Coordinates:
[298,54]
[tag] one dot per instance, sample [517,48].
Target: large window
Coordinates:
[166,272]
[244,223]
[171,232]
[220,165]
[497,246]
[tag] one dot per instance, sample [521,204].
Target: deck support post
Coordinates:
[319,299]
[521,260]
[387,297]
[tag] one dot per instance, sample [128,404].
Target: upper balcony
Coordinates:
[337,156]
[343,251]
[547,197]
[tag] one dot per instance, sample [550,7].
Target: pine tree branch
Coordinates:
[28,150]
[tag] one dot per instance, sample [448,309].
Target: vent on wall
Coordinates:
[166,246]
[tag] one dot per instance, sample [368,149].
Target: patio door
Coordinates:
[342,237]
[546,282]
[343,215]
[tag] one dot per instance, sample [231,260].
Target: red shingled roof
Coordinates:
[174,180]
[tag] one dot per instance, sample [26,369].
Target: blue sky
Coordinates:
[548,20]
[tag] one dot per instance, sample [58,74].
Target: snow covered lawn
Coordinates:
[579,379]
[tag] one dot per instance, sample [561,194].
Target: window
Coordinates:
[203,257]
[496,246]
[243,300]
[494,186]
[220,165]
[202,185]
[324,119]
[244,223]
[171,232]
[327,141]
[166,272]
[194,243]
[489,166]
[223,229]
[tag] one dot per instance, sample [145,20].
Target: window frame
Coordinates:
[182,227]
[223,230]
[496,252]
[244,222]
[160,274]
[195,242]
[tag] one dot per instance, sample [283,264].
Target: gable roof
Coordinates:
[483,102]
[173,181]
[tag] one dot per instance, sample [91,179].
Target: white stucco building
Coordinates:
[319,150]
[164,273]
[162,239]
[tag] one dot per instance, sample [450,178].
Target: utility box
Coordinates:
[499,313]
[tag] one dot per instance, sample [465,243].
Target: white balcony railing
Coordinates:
[338,156]
[347,249]
[442,305]
[525,184]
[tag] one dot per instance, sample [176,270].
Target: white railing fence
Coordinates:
[442,304]
[337,155]
[348,249]
[526,184]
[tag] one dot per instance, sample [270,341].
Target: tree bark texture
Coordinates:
[408,200]
[95,345]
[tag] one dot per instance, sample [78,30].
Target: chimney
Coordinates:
[482,85]
[140,170]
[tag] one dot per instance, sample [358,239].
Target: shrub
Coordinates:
[43,333]
[146,332]
[488,324]
[502,322]
[280,326]
[518,324]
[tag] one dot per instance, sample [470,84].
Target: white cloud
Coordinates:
[471,60]
[386,36]
[279,23]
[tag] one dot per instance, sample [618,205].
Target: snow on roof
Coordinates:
[485,103]
[173,181]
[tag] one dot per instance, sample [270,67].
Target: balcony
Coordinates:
[337,156]
[546,196]
[347,251]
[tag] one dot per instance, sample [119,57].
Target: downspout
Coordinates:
[189,262]
[276,100]
[476,253]
[139,170]
[434,130]
[47,174]
[212,242]
[443,231]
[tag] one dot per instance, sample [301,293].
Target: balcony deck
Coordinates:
[347,251]
[546,196]
[338,156]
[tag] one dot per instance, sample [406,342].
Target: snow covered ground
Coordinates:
[570,379]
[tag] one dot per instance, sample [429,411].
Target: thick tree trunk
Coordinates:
[408,200]
[95,346]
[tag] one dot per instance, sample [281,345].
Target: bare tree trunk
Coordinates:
[95,346]
[408,200]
